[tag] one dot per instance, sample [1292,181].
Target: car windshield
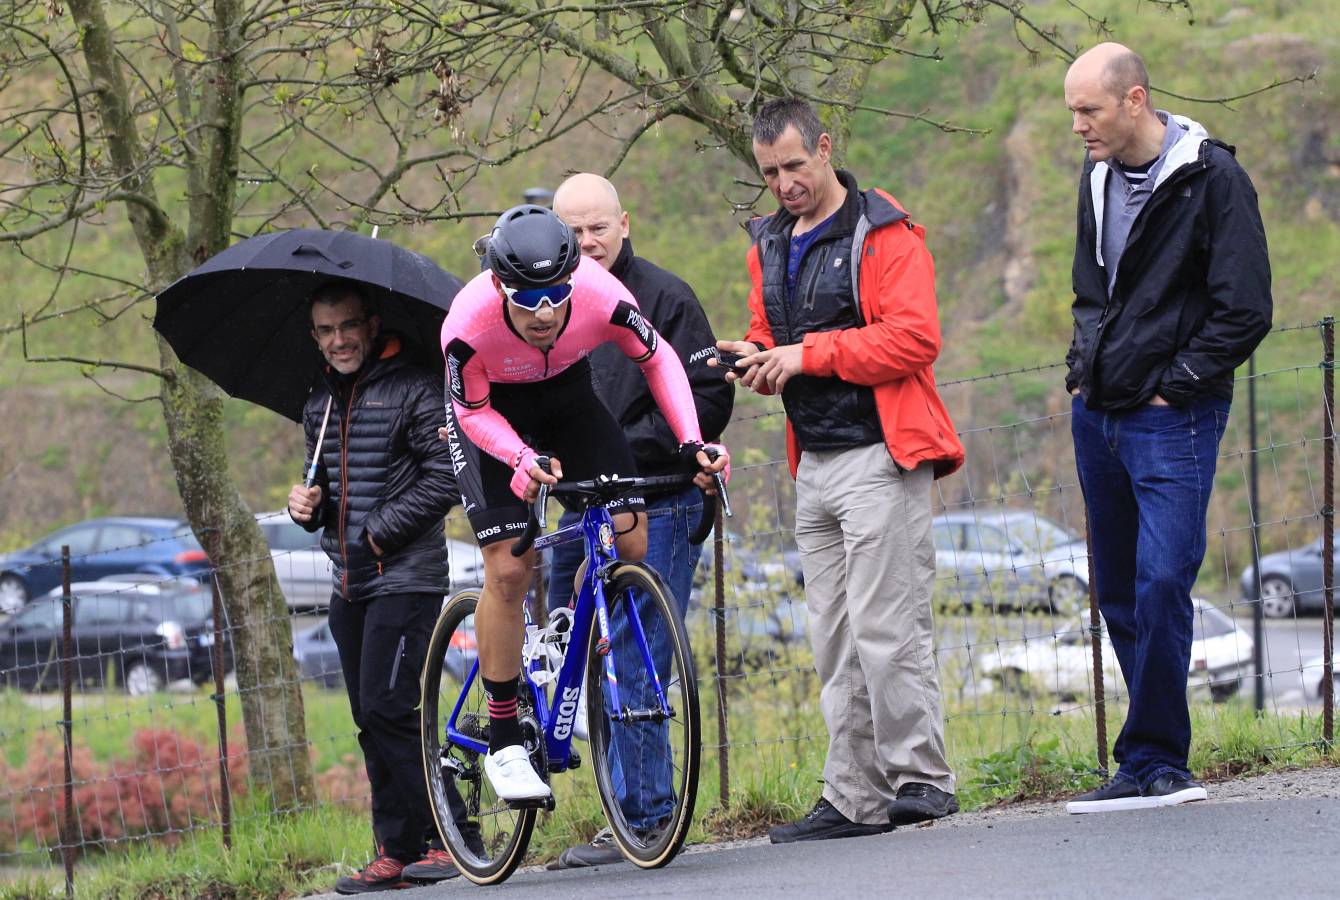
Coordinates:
[186,607]
[187,537]
[1210,622]
[1038,533]
[283,533]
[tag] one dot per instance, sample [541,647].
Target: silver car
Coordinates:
[1013,558]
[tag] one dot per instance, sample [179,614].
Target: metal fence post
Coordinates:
[1254,510]
[67,722]
[1328,534]
[1096,643]
[719,608]
[220,705]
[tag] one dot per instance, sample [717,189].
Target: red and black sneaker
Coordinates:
[436,866]
[382,874]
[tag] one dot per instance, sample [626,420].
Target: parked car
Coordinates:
[136,634]
[318,660]
[1314,672]
[1013,558]
[302,567]
[466,564]
[1061,663]
[761,564]
[100,547]
[316,656]
[1290,580]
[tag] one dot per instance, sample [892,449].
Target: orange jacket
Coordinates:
[892,353]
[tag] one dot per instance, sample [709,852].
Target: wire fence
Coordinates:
[121,719]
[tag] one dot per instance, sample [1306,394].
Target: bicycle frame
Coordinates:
[596,530]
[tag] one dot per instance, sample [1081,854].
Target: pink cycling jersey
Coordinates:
[482,346]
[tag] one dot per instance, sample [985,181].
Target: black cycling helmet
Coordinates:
[531,247]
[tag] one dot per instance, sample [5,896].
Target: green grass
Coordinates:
[1001,749]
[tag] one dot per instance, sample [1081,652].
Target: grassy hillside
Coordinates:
[998,208]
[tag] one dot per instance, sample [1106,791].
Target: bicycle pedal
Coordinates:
[544,803]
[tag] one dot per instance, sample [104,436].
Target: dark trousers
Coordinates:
[382,644]
[1146,475]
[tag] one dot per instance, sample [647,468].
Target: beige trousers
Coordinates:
[863,528]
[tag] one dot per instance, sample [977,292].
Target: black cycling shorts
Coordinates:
[560,416]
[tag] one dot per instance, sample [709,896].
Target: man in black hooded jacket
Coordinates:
[1172,293]
[383,487]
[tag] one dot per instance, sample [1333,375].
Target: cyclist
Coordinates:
[516,343]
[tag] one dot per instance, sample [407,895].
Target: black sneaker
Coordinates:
[823,823]
[382,874]
[1117,794]
[436,866]
[917,802]
[1171,790]
[602,851]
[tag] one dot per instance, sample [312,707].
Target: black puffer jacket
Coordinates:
[1192,294]
[669,304]
[383,472]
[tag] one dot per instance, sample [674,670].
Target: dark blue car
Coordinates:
[100,547]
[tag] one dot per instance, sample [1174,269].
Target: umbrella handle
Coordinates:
[320,439]
[311,248]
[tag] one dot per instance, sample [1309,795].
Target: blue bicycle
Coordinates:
[641,713]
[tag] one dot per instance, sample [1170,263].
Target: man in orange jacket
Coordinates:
[843,324]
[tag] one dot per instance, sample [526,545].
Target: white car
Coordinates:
[305,571]
[1061,662]
[1314,672]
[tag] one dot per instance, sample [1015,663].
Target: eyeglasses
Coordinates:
[531,298]
[481,244]
[348,325]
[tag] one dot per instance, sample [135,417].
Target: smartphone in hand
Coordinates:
[730,362]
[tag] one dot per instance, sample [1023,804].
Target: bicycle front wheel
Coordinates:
[487,837]
[645,755]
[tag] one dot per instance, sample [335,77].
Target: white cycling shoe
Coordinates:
[512,776]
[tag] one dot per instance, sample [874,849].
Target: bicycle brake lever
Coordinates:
[721,492]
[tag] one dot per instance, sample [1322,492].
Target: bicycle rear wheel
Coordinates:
[487,837]
[646,763]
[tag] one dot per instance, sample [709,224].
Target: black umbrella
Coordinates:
[243,319]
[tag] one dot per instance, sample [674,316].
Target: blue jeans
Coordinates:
[1146,475]
[647,797]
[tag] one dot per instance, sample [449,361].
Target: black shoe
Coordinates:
[823,823]
[436,866]
[1117,794]
[1171,790]
[602,851]
[382,874]
[917,802]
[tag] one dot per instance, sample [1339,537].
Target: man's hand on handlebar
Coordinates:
[532,472]
[712,459]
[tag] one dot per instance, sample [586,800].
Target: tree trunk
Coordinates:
[262,639]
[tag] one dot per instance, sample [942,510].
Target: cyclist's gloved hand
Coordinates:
[707,460]
[533,469]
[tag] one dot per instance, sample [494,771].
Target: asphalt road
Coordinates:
[1277,848]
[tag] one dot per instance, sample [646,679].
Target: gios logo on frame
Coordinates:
[567,711]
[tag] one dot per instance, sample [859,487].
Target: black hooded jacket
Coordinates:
[671,306]
[1192,295]
[383,472]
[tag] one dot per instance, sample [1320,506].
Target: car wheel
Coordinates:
[141,679]
[1277,599]
[1221,691]
[13,594]
[1068,595]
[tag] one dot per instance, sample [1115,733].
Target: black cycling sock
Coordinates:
[504,727]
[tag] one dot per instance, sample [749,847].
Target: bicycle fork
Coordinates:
[618,712]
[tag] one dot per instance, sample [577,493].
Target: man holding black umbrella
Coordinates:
[383,484]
